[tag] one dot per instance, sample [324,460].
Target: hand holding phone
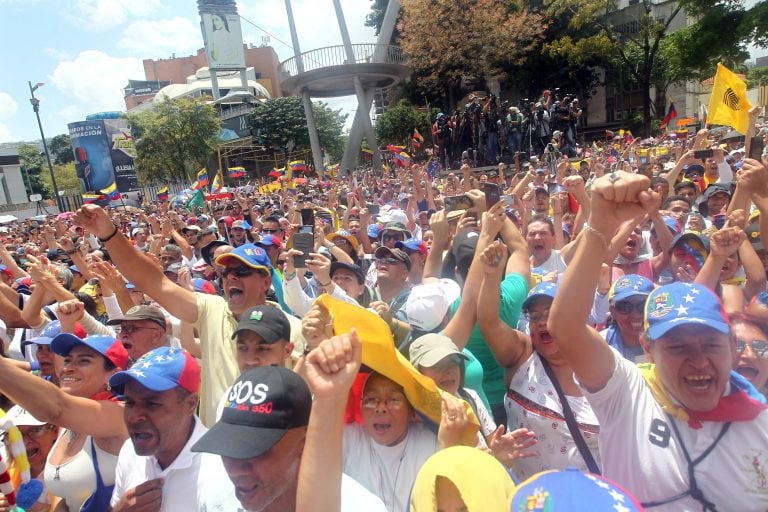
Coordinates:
[304,242]
[462,202]
[492,194]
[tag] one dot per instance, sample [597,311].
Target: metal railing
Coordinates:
[337,56]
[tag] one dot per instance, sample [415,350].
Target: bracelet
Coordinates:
[589,229]
[290,276]
[324,285]
[110,237]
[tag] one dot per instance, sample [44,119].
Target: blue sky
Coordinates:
[84,51]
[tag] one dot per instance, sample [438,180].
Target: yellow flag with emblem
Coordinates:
[728,104]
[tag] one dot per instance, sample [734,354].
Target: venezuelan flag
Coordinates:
[298,166]
[202,180]
[418,140]
[111,192]
[236,172]
[216,186]
[162,194]
[99,199]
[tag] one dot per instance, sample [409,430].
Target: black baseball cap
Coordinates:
[267,321]
[207,251]
[260,407]
[355,269]
[398,254]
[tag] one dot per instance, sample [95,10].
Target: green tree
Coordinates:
[396,124]
[638,42]
[66,179]
[757,77]
[175,139]
[279,124]
[33,165]
[452,42]
[61,149]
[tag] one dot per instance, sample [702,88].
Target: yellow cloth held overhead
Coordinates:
[482,481]
[728,104]
[380,355]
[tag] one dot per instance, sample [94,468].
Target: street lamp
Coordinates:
[36,107]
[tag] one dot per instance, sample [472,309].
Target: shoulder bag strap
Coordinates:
[570,420]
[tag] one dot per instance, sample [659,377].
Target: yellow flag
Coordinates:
[728,104]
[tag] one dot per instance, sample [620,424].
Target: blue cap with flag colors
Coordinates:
[161,369]
[107,346]
[630,285]
[540,290]
[572,491]
[678,304]
[250,254]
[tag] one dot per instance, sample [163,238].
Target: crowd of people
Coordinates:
[487,131]
[591,335]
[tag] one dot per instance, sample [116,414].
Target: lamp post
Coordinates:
[36,107]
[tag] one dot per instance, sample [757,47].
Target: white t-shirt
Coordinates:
[181,480]
[554,263]
[641,452]
[218,495]
[388,471]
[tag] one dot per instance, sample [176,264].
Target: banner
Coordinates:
[728,104]
[104,151]
[223,39]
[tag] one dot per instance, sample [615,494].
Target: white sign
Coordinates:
[35,197]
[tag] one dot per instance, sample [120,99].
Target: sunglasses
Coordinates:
[758,347]
[270,231]
[626,307]
[240,271]
[388,261]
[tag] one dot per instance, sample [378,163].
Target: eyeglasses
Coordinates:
[625,307]
[535,317]
[388,261]
[241,271]
[130,329]
[32,432]
[758,347]
[269,231]
[373,402]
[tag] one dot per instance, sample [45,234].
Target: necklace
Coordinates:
[382,471]
[70,435]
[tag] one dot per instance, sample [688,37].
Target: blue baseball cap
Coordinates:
[112,349]
[74,268]
[249,254]
[413,244]
[630,285]
[671,223]
[159,370]
[678,304]
[267,240]
[572,491]
[540,290]
[373,231]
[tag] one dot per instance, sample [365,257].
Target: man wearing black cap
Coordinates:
[262,338]
[260,438]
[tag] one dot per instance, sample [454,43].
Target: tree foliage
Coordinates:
[33,165]
[639,39]
[66,179]
[757,77]
[175,139]
[61,149]
[396,124]
[451,41]
[279,124]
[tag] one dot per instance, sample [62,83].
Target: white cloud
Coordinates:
[8,106]
[100,15]
[5,134]
[96,79]
[161,38]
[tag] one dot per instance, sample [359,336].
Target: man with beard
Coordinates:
[156,465]
[246,277]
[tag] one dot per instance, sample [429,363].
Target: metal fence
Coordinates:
[337,56]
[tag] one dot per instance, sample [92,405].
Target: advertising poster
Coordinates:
[93,159]
[223,40]
[122,151]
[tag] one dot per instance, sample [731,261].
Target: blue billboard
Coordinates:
[104,151]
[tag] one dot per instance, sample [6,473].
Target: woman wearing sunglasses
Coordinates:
[751,349]
[627,299]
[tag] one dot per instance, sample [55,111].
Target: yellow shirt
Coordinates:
[215,325]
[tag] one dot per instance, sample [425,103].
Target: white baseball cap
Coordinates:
[22,418]
[428,304]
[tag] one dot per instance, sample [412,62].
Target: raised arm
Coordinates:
[136,267]
[509,346]
[616,198]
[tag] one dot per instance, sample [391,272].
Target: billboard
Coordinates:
[104,151]
[223,40]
